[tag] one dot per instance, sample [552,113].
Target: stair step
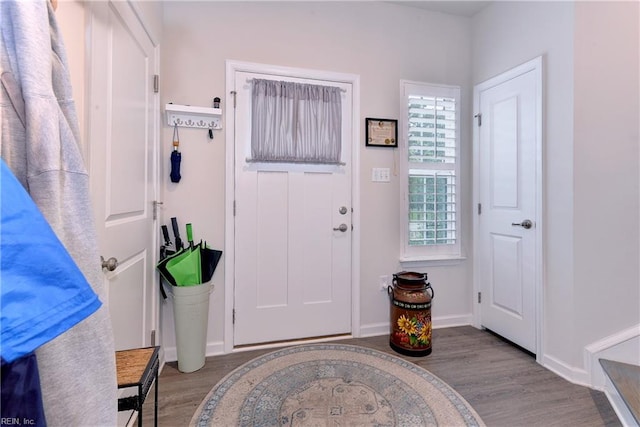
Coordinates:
[626,379]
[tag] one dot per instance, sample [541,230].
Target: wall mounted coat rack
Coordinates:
[193,117]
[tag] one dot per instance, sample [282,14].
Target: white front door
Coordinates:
[508,156]
[122,152]
[292,261]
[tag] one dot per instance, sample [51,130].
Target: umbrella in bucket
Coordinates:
[186,269]
[189,266]
[209,258]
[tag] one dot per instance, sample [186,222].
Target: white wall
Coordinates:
[606,152]
[591,112]
[382,43]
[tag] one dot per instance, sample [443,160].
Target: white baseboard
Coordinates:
[170,354]
[370,330]
[452,321]
[374,329]
[212,349]
[569,373]
[623,346]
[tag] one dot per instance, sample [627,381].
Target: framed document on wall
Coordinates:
[381,132]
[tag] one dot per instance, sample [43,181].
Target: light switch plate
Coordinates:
[380,175]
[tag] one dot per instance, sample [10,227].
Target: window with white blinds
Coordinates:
[430,169]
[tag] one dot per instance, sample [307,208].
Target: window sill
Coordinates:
[435,261]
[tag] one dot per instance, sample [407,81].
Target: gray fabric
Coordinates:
[77,369]
[295,122]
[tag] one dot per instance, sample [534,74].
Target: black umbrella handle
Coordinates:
[176,233]
[165,234]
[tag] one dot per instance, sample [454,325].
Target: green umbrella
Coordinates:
[188,266]
[162,265]
[186,270]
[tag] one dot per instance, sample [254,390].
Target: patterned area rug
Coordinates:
[332,384]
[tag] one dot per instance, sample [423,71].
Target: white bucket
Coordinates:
[191,316]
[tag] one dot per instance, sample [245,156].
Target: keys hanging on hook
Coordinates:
[210,133]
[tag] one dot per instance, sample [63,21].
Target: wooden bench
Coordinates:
[138,368]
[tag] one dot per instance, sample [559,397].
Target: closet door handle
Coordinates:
[110,264]
[526,224]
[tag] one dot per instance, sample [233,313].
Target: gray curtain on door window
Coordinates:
[295,122]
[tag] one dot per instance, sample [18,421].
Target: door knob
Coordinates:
[526,224]
[341,227]
[110,264]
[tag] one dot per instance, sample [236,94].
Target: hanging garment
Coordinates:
[43,292]
[20,398]
[39,141]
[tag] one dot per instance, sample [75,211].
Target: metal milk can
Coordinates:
[411,297]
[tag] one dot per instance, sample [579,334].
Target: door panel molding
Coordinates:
[534,66]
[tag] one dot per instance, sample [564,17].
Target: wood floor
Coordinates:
[503,384]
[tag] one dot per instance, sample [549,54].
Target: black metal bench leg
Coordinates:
[155,403]
[140,403]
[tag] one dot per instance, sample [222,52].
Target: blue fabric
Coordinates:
[42,291]
[21,402]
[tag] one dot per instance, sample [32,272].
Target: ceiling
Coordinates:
[453,7]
